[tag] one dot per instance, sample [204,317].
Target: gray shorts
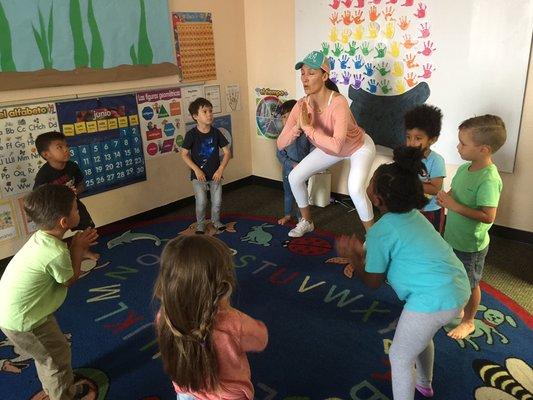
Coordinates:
[474,263]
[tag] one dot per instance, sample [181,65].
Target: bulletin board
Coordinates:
[105,141]
[60,42]
[472,55]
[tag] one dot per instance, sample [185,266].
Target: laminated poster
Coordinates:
[8,228]
[267,114]
[19,160]
[161,121]
[195,46]
[29,225]
[212,93]
[105,141]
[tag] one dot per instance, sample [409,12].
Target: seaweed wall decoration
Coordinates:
[81,56]
[7,64]
[97,48]
[144,54]
[44,38]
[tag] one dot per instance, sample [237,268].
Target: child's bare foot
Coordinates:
[90,255]
[284,220]
[462,330]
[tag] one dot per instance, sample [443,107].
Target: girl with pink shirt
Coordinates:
[324,116]
[202,339]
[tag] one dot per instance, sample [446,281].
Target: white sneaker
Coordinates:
[302,228]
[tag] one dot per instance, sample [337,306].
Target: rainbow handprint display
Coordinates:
[383,48]
[390,55]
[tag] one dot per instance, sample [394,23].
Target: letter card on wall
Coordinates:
[105,141]
[19,160]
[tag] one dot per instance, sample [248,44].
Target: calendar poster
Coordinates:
[105,141]
[161,121]
[19,160]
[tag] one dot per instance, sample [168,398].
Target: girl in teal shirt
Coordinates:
[404,248]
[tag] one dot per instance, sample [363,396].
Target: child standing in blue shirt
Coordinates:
[200,151]
[289,158]
[422,125]
[421,267]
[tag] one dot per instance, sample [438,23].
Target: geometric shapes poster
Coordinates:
[19,160]
[105,141]
[195,46]
[161,121]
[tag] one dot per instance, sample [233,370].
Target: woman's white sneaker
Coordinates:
[302,228]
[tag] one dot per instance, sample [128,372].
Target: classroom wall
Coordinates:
[167,176]
[270,27]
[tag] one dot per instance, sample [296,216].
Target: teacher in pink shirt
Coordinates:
[324,116]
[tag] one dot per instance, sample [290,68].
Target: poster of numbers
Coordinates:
[19,160]
[105,141]
[161,121]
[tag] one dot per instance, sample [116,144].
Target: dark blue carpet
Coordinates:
[329,335]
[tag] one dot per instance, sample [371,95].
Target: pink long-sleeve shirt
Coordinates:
[334,130]
[234,334]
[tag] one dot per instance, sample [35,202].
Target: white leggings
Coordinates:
[318,160]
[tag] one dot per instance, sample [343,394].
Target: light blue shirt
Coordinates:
[436,168]
[420,266]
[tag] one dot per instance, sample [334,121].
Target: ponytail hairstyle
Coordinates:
[331,85]
[196,274]
[398,184]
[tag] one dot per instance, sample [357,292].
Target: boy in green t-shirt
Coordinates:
[34,285]
[472,203]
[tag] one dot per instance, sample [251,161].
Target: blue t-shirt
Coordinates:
[436,168]
[420,266]
[204,151]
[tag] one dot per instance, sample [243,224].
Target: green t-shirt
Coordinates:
[473,189]
[421,267]
[32,286]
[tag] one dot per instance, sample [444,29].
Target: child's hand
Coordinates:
[200,175]
[446,200]
[217,176]
[350,247]
[84,239]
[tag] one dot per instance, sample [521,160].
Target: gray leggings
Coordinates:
[413,345]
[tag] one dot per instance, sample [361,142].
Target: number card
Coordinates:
[105,141]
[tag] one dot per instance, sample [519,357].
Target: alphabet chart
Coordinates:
[19,160]
[105,141]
